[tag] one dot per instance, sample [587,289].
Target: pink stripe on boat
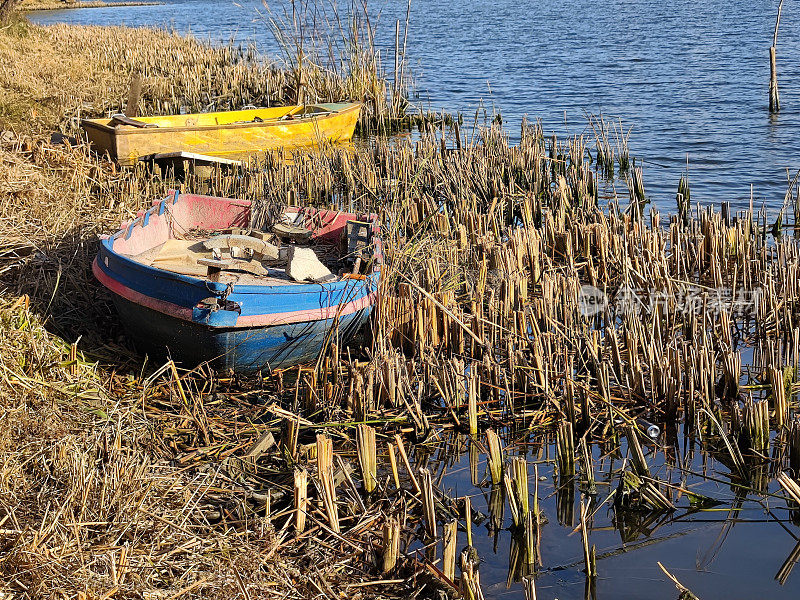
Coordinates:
[119,289]
[285,318]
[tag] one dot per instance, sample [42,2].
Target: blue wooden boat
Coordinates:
[242,321]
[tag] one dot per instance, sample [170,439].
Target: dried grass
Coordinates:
[84,507]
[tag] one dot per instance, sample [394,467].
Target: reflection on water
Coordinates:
[688,78]
[724,536]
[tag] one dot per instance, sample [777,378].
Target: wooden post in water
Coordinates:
[405,42]
[774,98]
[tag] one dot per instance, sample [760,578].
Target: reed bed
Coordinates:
[482,324]
[524,317]
[73,488]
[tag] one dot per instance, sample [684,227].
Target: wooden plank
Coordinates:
[292,232]
[191,156]
[246,266]
[125,120]
[134,94]
[259,247]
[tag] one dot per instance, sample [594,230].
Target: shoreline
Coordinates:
[28,8]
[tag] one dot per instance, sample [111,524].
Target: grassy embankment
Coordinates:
[32,5]
[87,502]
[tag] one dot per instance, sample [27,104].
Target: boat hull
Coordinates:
[238,136]
[245,324]
[244,350]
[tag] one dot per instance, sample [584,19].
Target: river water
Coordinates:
[689,79]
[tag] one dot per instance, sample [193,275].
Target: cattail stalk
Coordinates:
[495,456]
[588,554]
[300,499]
[449,543]
[393,464]
[402,449]
[428,504]
[367,456]
[325,470]
[565,450]
[391,544]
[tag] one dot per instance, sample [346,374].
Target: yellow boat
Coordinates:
[222,134]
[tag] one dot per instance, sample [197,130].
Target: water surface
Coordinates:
[734,549]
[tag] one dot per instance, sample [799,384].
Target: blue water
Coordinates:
[731,551]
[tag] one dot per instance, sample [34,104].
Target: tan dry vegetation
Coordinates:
[53,76]
[30,5]
[91,500]
[85,509]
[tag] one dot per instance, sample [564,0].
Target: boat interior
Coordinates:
[213,119]
[218,239]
